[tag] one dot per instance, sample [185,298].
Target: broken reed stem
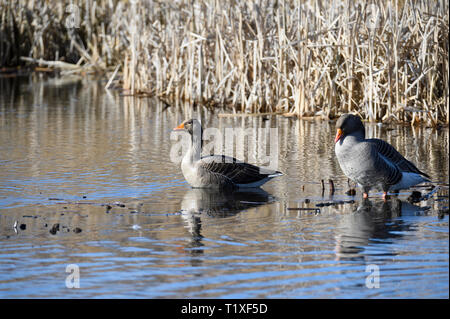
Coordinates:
[386,60]
[332,189]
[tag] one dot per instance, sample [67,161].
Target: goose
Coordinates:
[218,171]
[372,162]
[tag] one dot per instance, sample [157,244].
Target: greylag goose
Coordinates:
[218,171]
[372,162]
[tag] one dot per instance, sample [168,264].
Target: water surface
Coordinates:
[75,155]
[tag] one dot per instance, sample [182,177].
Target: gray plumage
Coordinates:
[372,162]
[218,171]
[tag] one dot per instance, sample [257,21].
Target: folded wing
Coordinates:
[239,172]
[391,154]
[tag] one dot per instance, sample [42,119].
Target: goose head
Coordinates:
[349,124]
[194,128]
[190,126]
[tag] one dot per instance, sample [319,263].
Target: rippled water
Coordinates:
[68,149]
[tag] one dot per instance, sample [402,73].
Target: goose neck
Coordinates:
[195,148]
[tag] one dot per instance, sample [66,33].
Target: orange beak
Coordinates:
[338,135]
[179,127]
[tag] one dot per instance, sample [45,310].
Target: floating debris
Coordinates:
[415,197]
[330,181]
[442,212]
[23,226]
[77,230]
[433,190]
[351,192]
[54,229]
[334,203]
[316,210]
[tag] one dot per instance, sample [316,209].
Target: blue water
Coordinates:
[67,151]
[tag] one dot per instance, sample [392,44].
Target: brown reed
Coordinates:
[385,60]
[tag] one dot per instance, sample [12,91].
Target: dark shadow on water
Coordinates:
[372,223]
[221,203]
[200,203]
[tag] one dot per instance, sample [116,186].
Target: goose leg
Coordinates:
[385,192]
[366,192]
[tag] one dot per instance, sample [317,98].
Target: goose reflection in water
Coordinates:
[198,203]
[373,222]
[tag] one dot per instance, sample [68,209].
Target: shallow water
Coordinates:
[68,149]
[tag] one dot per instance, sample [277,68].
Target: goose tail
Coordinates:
[277,173]
[408,180]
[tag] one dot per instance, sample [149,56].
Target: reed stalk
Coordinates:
[386,60]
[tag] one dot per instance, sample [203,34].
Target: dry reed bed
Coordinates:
[386,60]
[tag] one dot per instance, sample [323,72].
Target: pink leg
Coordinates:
[385,196]
[365,195]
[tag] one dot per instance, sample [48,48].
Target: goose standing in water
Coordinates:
[372,162]
[218,171]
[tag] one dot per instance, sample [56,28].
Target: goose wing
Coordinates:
[392,155]
[238,171]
